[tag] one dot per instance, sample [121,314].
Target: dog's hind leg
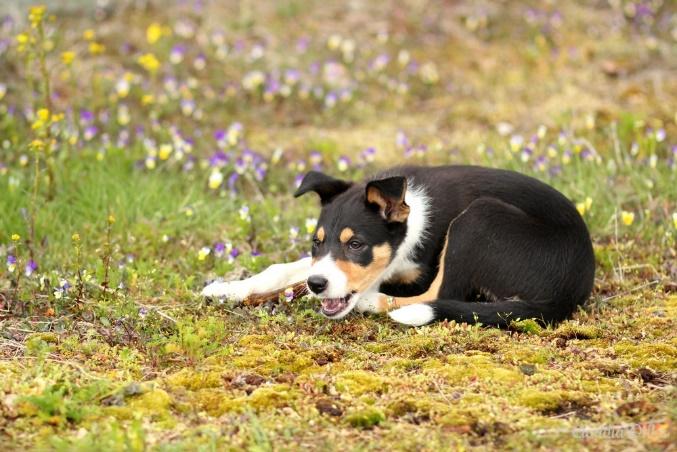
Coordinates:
[276,277]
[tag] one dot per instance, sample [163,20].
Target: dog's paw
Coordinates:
[232,290]
[371,302]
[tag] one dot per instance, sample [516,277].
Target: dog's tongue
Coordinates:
[331,306]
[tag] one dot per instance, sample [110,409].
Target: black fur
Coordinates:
[517,248]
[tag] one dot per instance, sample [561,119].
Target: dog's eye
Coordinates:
[316,241]
[354,245]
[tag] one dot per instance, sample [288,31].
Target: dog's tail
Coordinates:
[498,313]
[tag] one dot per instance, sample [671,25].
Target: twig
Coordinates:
[299,289]
[634,289]
[159,312]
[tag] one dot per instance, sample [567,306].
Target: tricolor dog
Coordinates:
[461,243]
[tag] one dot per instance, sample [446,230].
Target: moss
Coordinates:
[552,401]
[256,340]
[576,330]
[528,326]
[268,397]
[358,382]
[417,347]
[215,402]
[661,357]
[122,413]
[271,361]
[458,417]
[401,407]
[192,380]
[462,368]
[366,418]
[154,401]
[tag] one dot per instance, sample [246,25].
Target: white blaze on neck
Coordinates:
[417,222]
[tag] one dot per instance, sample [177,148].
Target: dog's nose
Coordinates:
[317,283]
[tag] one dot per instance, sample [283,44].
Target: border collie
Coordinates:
[423,244]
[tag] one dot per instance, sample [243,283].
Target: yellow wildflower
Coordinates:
[674,220]
[96,49]
[22,38]
[165,151]
[584,206]
[111,218]
[215,179]
[153,33]
[68,57]
[149,62]
[203,253]
[89,35]
[36,14]
[16,237]
[43,114]
[37,144]
[147,99]
[311,224]
[75,237]
[627,217]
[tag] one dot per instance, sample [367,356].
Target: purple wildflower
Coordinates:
[232,180]
[219,249]
[30,268]
[260,173]
[218,159]
[401,139]
[90,132]
[315,157]
[86,117]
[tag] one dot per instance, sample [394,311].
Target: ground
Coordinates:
[151,147]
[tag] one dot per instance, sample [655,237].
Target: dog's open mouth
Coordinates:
[333,306]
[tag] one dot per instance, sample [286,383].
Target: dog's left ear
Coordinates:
[325,186]
[388,195]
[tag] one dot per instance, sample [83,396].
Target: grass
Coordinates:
[106,345]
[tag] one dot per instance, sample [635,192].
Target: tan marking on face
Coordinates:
[359,277]
[429,295]
[320,234]
[346,234]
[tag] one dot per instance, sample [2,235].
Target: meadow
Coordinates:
[148,147]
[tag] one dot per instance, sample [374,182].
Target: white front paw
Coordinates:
[369,302]
[232,290]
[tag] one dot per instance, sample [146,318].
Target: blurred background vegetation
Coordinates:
[147,147]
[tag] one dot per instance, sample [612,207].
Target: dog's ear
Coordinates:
[325,186]
[388,195]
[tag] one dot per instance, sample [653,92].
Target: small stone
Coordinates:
[328,407]
[528,369]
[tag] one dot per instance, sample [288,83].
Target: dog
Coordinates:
[424,244]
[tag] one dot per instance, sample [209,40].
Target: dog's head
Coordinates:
[357,236]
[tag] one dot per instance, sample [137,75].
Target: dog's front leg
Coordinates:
[276,277]
[377,302]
